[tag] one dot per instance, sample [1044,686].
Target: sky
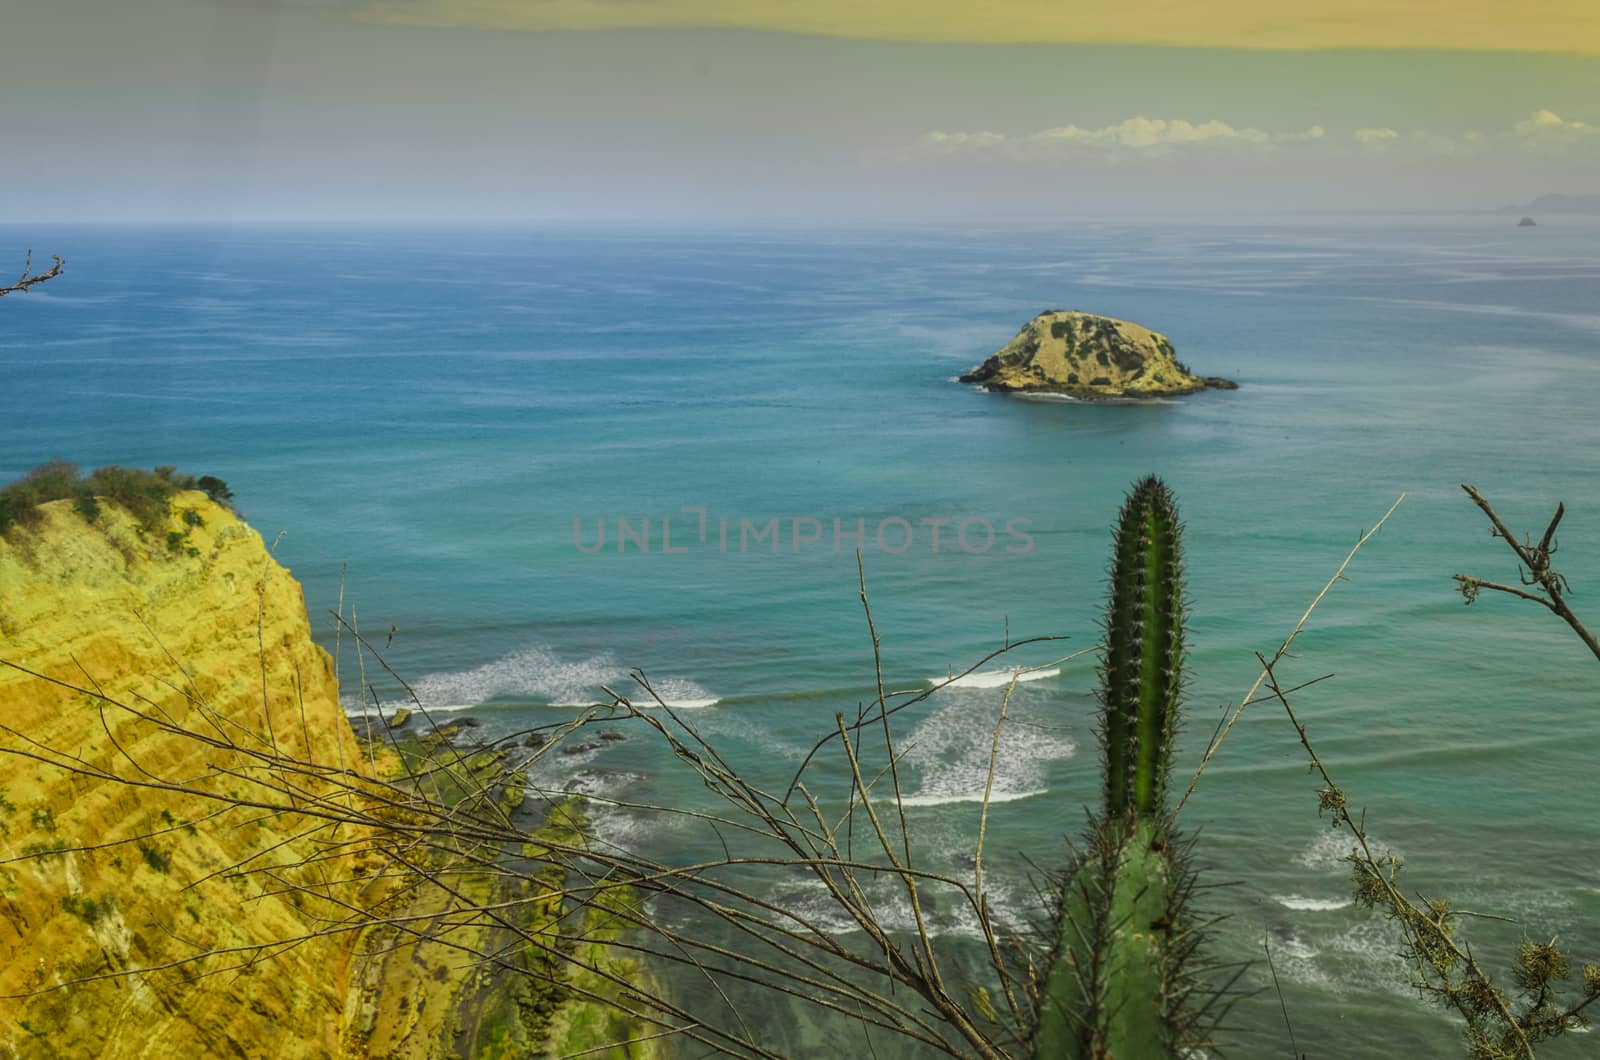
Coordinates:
[793,111]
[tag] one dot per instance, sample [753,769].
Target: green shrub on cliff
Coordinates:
[89,909]
[216,489]
[49,481]
[146,495]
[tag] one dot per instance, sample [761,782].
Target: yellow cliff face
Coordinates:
[202,627]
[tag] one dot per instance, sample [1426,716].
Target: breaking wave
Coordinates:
[537,674]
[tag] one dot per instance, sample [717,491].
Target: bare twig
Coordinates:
[1534,571]
[1294,1046]
[1283,649]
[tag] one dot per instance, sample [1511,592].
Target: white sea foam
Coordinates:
[1290,944]
[1312,905]
[602,783]
[677,694]
[1045,396]
[609,826]
[640,701]
[615,829]
[1358,956]
[1330,851]
[538,674]
[943,911]
[997,678]
[950,750]
[969,796]
[1296,960]
[355,710]
[1366,951]
[811,902]
[532,672]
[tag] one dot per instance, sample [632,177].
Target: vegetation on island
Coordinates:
[1056,350]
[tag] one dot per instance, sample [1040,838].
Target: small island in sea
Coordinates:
[1089,356]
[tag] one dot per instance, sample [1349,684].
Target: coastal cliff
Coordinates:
[195,622]
[155,656]
[1089,356]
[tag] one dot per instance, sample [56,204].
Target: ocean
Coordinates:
[442,422]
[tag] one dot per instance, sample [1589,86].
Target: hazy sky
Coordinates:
[792,110]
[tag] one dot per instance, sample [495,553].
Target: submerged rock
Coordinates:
[1089,356]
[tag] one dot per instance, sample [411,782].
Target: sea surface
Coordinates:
[442,421]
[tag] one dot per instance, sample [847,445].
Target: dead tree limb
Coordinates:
[29,277]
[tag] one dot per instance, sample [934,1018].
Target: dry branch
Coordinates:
[29,278]
[1534,571]
[1498,1028]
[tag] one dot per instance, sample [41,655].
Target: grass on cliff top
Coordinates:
[144,494]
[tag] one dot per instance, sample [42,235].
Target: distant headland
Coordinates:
[1089,356]
[1563,204]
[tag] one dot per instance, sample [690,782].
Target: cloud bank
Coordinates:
[1160,139]
[1139,135]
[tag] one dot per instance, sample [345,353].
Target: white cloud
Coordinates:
[958,140]
[1139,136]
[1146,138]
[1153,132]
[1546,126]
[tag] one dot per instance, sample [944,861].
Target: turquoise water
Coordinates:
[426,412]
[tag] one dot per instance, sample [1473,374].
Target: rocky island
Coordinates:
[1088,356]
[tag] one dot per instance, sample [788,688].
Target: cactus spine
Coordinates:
[1114,988]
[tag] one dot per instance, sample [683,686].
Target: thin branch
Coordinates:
[26,280]
[1283,649]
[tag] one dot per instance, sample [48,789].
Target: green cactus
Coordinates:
[1115,988]
[1142,667]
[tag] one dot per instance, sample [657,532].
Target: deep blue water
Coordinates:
[427,412]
